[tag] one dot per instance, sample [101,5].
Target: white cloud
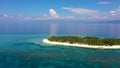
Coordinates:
[5,15]
[68,17]
[81,11]
[53,13]
[53,16]
[104,3]
[115,12]
[88,14]
[81,14]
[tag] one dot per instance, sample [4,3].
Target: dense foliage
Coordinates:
[86,40]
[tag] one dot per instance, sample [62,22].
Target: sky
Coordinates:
[59,9]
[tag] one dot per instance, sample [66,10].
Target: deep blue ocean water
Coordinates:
[21,46]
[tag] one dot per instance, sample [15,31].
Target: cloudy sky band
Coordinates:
[70,11]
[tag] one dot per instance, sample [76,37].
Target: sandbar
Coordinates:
[82,45]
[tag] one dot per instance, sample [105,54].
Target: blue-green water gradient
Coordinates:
[28,51]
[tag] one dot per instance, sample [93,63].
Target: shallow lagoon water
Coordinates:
[21,45]
[28,51]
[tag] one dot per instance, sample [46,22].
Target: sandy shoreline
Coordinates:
[81,45]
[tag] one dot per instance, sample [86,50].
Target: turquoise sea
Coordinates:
[26,50]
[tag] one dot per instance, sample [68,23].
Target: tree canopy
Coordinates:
[86,40]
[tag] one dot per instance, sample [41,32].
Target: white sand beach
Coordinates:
[81,45]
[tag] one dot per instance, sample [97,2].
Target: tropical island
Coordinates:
[89,42]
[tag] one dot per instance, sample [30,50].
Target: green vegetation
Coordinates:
[86,40]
